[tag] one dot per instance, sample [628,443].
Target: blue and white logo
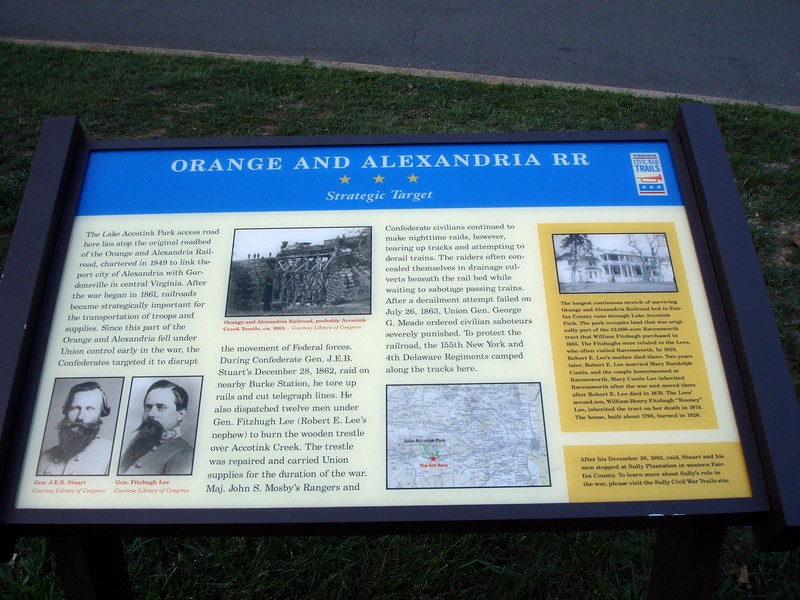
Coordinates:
[648,173]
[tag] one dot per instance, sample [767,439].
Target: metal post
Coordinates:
[92,568]
[686,562]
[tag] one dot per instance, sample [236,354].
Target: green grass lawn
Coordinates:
[124,95]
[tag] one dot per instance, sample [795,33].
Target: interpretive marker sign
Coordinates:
[524,325]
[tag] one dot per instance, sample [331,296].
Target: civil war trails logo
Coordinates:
[648,173]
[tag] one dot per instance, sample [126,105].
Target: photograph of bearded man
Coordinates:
[161,443]
[82,449]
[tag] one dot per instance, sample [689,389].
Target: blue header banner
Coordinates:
[569,174]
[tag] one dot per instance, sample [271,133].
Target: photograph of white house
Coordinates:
[613,262]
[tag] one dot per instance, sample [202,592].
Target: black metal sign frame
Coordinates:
[762,398]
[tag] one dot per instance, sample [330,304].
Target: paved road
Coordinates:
[738,49]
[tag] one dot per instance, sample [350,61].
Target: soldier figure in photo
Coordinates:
[80,451]
[158,448]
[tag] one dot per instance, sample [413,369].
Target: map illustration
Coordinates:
[465,436]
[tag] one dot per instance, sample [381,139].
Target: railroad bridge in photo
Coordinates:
[302,275]
[299,276]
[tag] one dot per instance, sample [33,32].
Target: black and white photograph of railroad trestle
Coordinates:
[300,271]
